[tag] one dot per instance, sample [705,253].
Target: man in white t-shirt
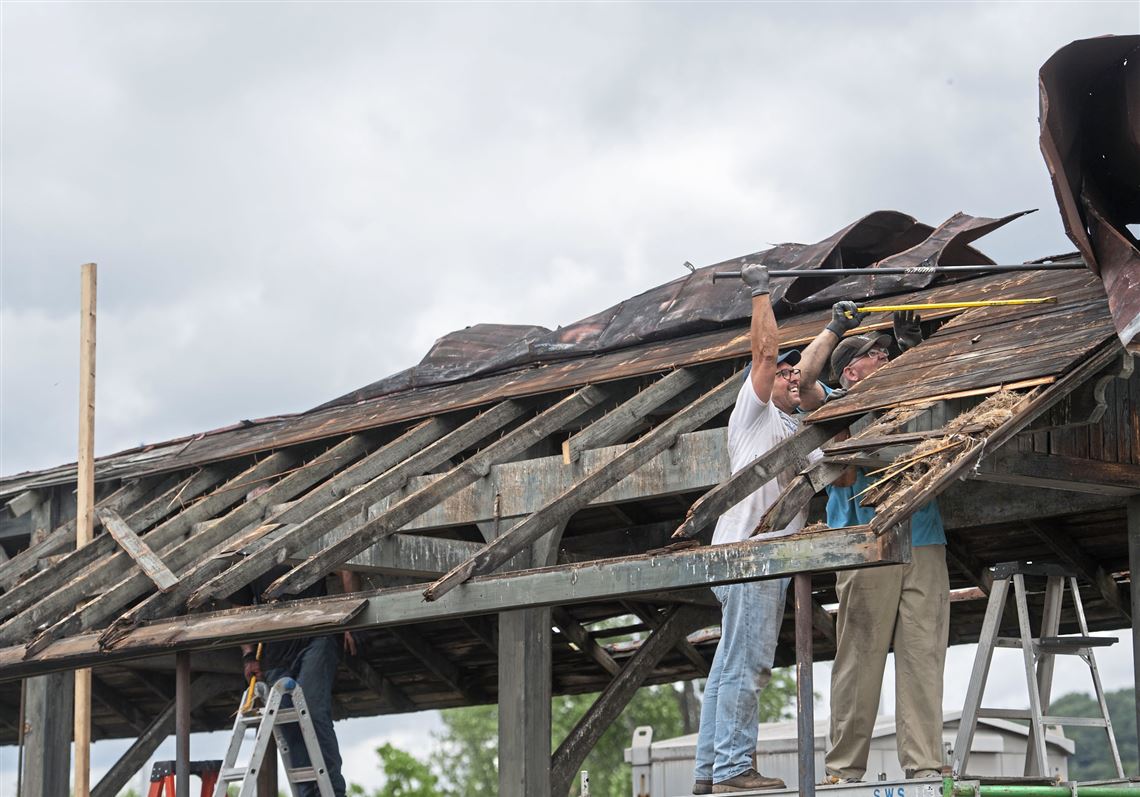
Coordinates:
[751,612]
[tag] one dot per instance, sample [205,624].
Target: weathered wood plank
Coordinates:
[51,608]
[615,425]
[650,617]
[382,687]
[918,495]
[404,457]
[190,557]
[1060,472]
[438,664]
[753,476]
[704,566]
[138,550]
[580,741]
[79,563]
[580,637]
[470,470]
[558,511]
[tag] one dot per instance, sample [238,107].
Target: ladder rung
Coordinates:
[250,719]
[1005,713]
[230,775]
[1076,642]
[1088,722]
[301,775]
[1008,642]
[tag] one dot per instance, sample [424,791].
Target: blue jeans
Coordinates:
[315,670]
[751,615]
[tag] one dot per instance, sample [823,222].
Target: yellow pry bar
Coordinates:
[894,308]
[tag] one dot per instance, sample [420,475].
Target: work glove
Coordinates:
[908,329]
[840,322]
[755,276]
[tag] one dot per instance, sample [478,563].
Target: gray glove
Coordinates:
[908,329]
[755,276]
[840,322]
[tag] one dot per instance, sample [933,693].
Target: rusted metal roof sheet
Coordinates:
[694,303]
[1090,137]
[412,405]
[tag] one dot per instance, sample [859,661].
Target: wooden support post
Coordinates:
[182,698]
[267,775]
[47,750]
[524,703]
[805,697]
[1134,568]
[85,508]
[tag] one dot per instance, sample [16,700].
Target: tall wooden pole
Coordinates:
[85,508]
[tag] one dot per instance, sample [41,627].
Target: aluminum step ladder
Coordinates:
[1038,654]
[270,718]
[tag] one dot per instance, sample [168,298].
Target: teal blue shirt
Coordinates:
[843,510]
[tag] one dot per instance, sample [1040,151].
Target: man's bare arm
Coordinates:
[764,334]
[814,359]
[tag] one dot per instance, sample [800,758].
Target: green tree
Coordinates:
[1091,759]
[405,776]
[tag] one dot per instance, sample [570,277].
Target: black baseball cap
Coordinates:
[790,357]
[852,347]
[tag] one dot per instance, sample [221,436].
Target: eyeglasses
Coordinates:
[788,373]
[875,353]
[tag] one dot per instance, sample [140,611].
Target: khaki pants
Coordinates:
[911,605]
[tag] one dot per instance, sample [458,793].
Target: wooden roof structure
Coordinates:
[560,487]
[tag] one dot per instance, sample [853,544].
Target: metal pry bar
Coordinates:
[852,272]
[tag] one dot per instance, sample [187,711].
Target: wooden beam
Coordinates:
[686,648]
[85,509]
[617,424]
[790,451]
[438,664]
[1069,552]
[409,555]
[81,561]
[609,705]
[1060,473]
[382,687]
[524,670]
[704,566]
[114,702]
[968,564]
[558,511]
[573,631]
[119,775]
[933,483]
[167,538]
[469,471]
[404,457]
[24,502]
[138,550]
[48,719]
[1133,521]
[191,557]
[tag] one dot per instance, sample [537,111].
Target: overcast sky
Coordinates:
[288,201]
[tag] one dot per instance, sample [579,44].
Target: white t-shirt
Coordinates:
[755,427]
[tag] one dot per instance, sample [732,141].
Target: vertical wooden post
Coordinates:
[47,751]
[805,695]
[182,724]
[1134,568]
[85,508]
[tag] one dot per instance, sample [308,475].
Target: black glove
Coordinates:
[908,329]
[845,316]
[755,276]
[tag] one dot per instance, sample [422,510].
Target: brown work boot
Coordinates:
[702,786]
[747,780]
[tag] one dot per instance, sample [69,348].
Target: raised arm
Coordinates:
[765,336]
[814,359]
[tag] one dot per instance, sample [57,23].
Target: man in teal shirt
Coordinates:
[907,605]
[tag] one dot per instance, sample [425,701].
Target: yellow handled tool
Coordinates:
[248,703]
[894,308]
